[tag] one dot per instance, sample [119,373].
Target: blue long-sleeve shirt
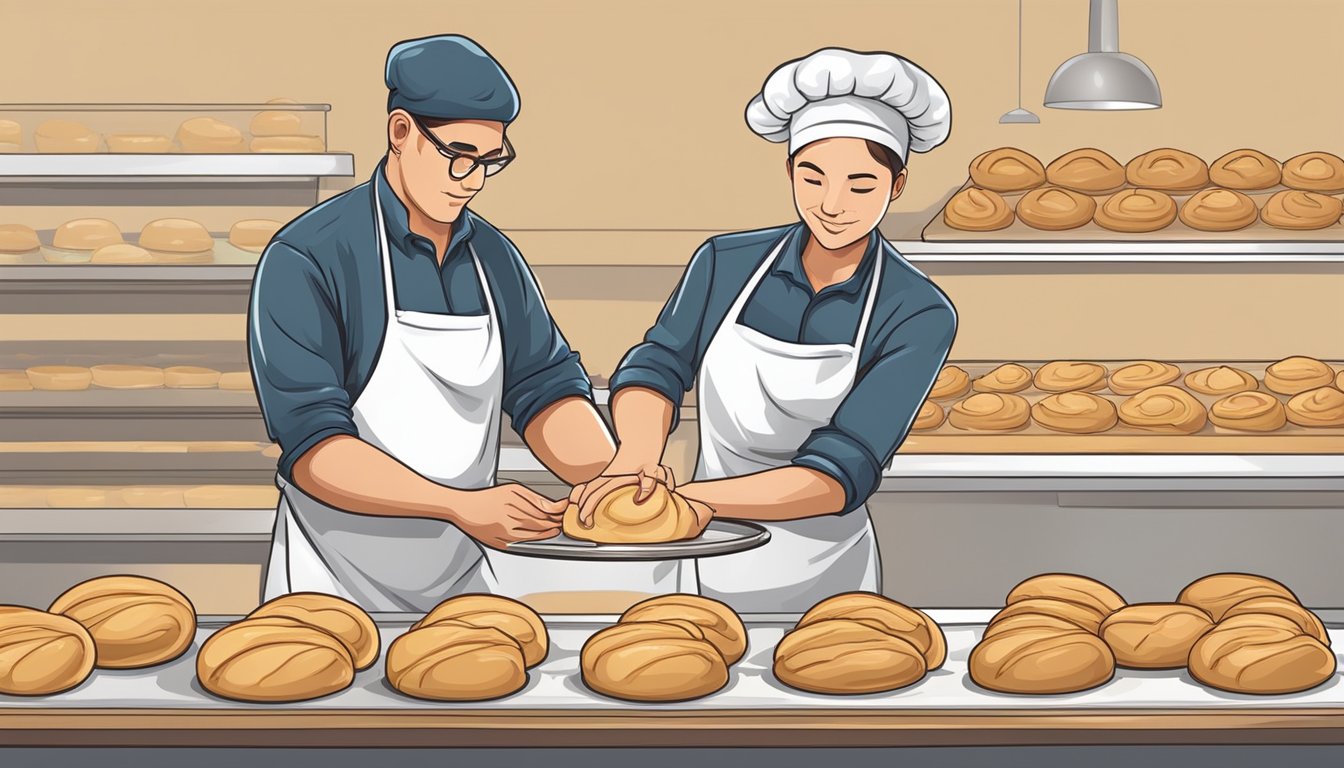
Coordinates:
[906,344]
[317,315]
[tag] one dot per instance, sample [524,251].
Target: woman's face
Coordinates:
[840,191]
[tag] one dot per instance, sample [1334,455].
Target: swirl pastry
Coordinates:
[1220,380]
[1295,209]
[1164,409]
[664,516]
[951,382]
[1167,169]
[1136,210]
[930,416]
[1314,172]
[1055,208]
[1245,169]
[1250,411]
[1009,377]
[1070,376]
[1322,407]
[1136,377]
[1089,171]
[1293,375]
[991,412]
[977,210]
[1007,170]
[1218,210]
[1078,413]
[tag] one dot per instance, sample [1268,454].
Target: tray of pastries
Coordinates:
[171,241]
[1164,194]
[1293,405]
[216,496]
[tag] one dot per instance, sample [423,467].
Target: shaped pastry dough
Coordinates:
[1322,407]
[1167,169]
[1134,378]
[1294,375]
[991,412]
[1221,380]
[977,210]
[1315,172]
[1089,171]
[1165,409]
[1079,413]
[1009,377]
[1136,210]
[1007,170]
[1245,169]
[664,516]
[1249,411]
[1069,377]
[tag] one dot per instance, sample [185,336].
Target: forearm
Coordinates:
[643,418]
[786,493]
[570,438]
[349,474]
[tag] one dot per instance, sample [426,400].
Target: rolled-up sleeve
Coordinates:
[294,342]
[875,417]
[667,360]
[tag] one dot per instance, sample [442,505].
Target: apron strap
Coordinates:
[384,254]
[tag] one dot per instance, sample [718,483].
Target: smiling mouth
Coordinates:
[458,197]
[834,228]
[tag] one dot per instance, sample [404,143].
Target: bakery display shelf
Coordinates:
[1098,252]
[150,403]
[91,168]
[166,705]
[70,459]
[94,278]
[128,524]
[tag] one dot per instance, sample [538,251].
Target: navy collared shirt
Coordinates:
[317,315]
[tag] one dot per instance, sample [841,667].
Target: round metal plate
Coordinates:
[721,537]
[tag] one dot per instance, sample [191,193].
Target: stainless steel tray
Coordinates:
[721,537]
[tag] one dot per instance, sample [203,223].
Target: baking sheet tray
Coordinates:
[556,684]
[721,537]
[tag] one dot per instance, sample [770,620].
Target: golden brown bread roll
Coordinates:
[276,122]
[288,144]
[1071,588]
[59,378]
[121,253]
[17,381]
[1055,209]
[1165,410]
[838,656]
[1134,378]
[253,234]
[42,653]
[1037,620]
[509,616]
[1036,660]
[1315,172]
[1217,592]
[1249,411]
[134,621]
[206,135]
[1221,380]
[1136,210]
[1245,169]
[664,516]
[139,143]
[1154,635]
[1297,209]
[1063,376]
[1087,619]
[127,376]
[18,238]
[1294,375]
[910,624]
[652,661]
[86,235]
[66,137]
[1089,171]
[1167,169]
[1260,660]
[1079,413]
[336,616]
[720,624]
[151,497]
[1009,378]
[453,661]
[1322,407]
[991,412]
[1218,210]
[1308,622]
[236,381]
[951,382]
[273,659]
[930,416]
[190,377]
[977,210]
[1007,169]
[176,236]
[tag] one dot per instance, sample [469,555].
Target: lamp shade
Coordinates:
[1103,80]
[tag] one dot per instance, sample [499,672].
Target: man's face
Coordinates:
[424,169]
[840,191]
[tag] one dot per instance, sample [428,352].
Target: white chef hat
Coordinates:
[841,93]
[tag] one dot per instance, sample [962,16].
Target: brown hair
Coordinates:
[884,155]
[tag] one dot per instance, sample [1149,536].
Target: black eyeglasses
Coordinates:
[462,165]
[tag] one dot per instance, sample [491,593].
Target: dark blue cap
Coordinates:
[449,77]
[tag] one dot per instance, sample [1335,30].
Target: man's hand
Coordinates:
[648,477]
[507,513]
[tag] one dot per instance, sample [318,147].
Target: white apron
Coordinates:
[759,400]
[433,403]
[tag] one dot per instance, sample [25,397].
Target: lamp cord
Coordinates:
[1019,54]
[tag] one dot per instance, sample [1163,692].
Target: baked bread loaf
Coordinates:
[190,377]
[885,615]
[253,234]
[1070,377]
[1037,620]
[127,376]
[991,412]
[930,416]
[18,239]
[151,497]
[1294,375]
[134,621]
[139,143]
[453,661]
[1009,378]
[951,382]
[206,135]
[1055,209]
[85,235]
[1007,169]
[1221,380]
[1245,169]
[1089,171]
[1297,209]
[977,210]
[1164,409]
[59,378]
[1079,413]
[1218,210]
[1315,172]
[1322,407]
[1136,210]
[1071,588]
[1087,619]
[1154,635]
[664,516]
[652,661]
[1308,622]
[17,381]
[289,144]
[1170,170]
[1260,660]
[336,616]
[174,236]
[273,659]
[511,617]
[838,656]
[66,137]
[42,653]
[1036,660]
[1217,592]
[276,122]
[721,626]
[1134,378]
[237,381]
[1250,411]
[121,253]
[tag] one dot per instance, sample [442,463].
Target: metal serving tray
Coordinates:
[721,537]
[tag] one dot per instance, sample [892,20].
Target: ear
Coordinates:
[788,166]
[398,129]
[898,183]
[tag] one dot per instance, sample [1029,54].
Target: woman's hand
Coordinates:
[587,495]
